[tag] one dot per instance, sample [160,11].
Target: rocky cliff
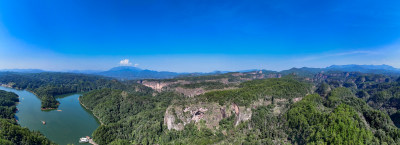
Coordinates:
[178,115]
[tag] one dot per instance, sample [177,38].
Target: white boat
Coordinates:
[83,140]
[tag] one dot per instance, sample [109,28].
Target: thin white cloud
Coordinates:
[136,65]
[125,62]
[322,56]
[353,52]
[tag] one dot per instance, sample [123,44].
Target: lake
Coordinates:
[62,127]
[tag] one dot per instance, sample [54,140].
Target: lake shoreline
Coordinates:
[64,127]
[90,111]
[43,109]
[9,86]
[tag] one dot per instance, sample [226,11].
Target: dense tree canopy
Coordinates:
[137,117]
[318,108]
[253,90]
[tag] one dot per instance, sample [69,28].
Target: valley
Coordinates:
[199,72]
[63,126]
[297,106]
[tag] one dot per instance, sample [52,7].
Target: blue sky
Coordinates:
[201,36]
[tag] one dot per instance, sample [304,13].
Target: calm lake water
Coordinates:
[62,127]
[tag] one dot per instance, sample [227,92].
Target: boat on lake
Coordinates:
[83,140]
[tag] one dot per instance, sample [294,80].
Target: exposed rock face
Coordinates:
[9,85]
[169,120]
[223,112]
[212,113]
[197,114]
[242,113]
[297,99]
[177,117]
[155,85]
[173,85]
[236,108]
[176,85]
[237,74]
[190,92]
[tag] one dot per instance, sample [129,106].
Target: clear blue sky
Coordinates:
[204,35]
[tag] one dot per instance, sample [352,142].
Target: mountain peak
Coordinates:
[130,72]
[126,68]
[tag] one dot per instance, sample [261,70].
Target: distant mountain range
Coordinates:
[374,69]
[129,72]
[365,68]
[23,70]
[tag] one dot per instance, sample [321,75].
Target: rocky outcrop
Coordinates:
[211,113]
[197,114]
[170,119]
[237,74]
[242,114]
[177,117]
[297,99]
[190,92]
[9,85]
[156,85]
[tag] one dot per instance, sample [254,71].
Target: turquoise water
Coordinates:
[62,127]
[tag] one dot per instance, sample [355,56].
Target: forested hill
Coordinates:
[47,85]
[128,73]
[329,108]
[257,107]
[10,132]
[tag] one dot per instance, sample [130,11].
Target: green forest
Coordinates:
[340,117]
[299,108]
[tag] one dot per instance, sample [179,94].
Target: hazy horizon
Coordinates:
[94,71]
[197,36]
